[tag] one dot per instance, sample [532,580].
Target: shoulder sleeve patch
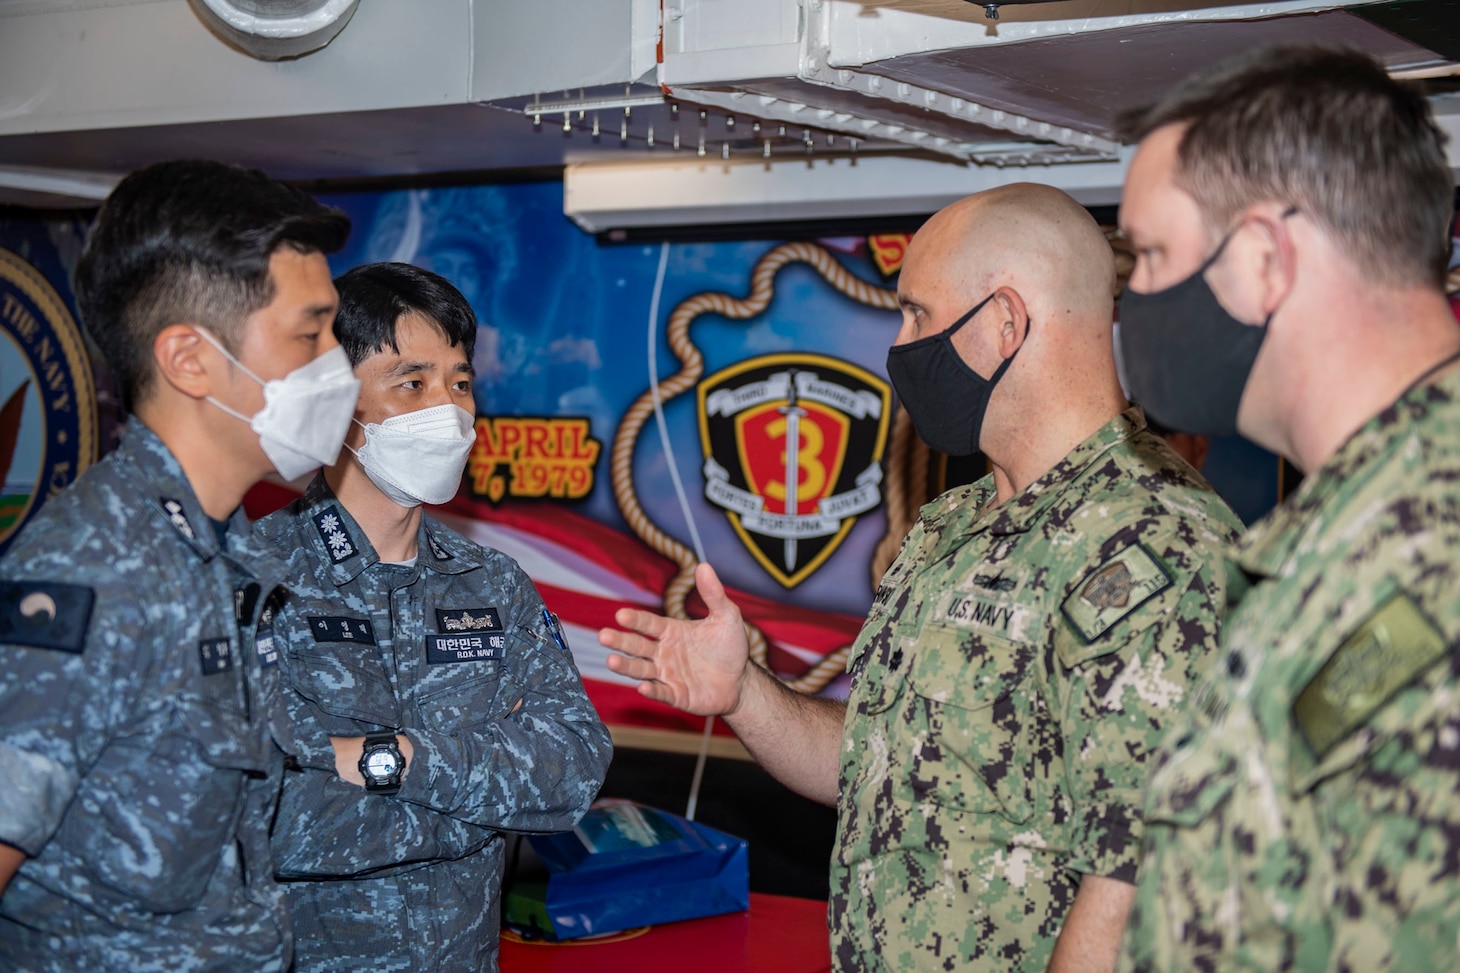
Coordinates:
[1383,655]
[1114,590]
[45,614]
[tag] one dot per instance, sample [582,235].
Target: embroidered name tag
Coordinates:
[268,652]
[332,531]
[1114,590]
[467,647]
[45,614]
[1393,646]
[337,628]
[966,610]
[214,656]
[468,620]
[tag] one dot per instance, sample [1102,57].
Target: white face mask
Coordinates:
[306,413]
[418,457]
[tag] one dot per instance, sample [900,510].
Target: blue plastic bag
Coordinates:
[626,866]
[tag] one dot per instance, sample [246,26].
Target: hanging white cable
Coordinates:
[665,444]
[694,534]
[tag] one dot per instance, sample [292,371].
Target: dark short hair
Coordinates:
[1327,131]
[374,297]
[189,241]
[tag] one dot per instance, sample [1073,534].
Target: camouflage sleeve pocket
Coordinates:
[976,754]
[1384,677]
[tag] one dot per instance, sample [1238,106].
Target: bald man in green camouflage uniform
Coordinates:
[1028,646]
[1306,817]
[1020,662]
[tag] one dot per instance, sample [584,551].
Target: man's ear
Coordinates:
[179,352]
[1276,255]
[1013,320]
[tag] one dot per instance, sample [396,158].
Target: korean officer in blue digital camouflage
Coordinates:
[434,699]
[139,747]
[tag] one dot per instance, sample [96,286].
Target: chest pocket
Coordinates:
[973,712]
[344,680]
[157,807]
[466,694]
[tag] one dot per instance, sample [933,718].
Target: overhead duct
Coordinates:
[273,30]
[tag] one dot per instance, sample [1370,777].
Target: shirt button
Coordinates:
[896,659]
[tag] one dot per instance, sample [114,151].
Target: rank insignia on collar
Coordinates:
[176,514]
[441,553]
[332,532]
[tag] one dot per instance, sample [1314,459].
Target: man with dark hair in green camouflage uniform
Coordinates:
[1026,649]
[1291,215]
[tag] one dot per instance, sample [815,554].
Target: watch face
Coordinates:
[381,764]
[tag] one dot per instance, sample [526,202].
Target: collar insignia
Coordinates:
[332,531]
[179,518]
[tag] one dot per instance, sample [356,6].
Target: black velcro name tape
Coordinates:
[339,628]
[466,647]
[45,614]
[214,656]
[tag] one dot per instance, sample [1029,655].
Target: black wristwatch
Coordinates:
[382,763]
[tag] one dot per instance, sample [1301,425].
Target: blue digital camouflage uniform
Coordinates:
[135,702]
[444,651]
[1018,665]
[1307,815]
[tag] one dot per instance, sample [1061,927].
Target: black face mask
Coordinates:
[945,398]
[1186,359]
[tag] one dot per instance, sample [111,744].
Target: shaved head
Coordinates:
[1041,275]
[1027,236]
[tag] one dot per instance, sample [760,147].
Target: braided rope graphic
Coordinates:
[762,289]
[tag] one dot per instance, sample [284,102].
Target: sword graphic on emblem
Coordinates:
[793,414]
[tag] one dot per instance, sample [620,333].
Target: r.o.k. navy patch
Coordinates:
[48,422]
[332,531]
[467,647]
[45,614]
[215,656]
[468,620]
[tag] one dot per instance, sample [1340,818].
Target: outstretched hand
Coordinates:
[697,666]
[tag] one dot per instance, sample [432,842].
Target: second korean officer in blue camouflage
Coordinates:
[435,702]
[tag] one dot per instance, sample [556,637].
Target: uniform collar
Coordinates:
[161,478]
[1019,513]
[1270,544]
[340,541]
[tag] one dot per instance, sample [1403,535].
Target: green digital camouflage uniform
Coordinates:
[1017,666]
[1309,817]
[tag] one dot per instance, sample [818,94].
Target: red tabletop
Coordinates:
[777,935]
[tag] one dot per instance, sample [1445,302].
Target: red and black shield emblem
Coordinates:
[793,450]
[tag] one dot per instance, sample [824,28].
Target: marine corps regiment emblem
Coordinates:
[793,448]
[48,425]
